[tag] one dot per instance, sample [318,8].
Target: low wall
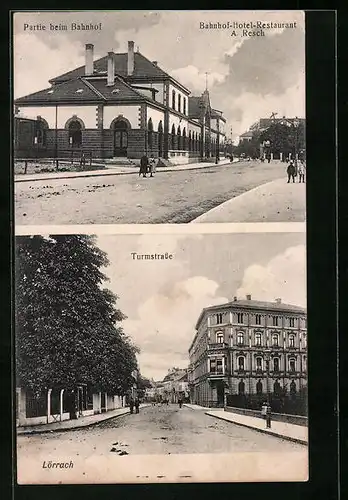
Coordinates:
[279,417]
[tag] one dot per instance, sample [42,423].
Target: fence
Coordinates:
[290,404]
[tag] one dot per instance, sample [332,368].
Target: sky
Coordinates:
[162,299]
[248,77]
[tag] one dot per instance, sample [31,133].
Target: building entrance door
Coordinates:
[120,138]
[220,394]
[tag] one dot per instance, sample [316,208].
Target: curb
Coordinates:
[263,431]
[66,429]
[225,203]
[112,173]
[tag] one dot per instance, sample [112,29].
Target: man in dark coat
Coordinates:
[291,172]
[143,165]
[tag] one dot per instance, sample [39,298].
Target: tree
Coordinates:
[67,326]
[284,138]
[250,148]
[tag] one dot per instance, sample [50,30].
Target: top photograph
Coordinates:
[158,117]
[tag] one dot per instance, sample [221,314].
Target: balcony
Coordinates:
[216,375]
[218,345]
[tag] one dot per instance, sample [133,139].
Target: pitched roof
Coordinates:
[75,90]
[195,106]
[143,67]
[119,91]
[80,90]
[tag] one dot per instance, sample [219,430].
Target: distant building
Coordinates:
[119,106]
[176,384]
[247,347]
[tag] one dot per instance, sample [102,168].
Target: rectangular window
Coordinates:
[212,366]
[292,322]
[240,317]
[179,103]
[219,319]
[258,319]
[219,367]
[184,105]
[275,320]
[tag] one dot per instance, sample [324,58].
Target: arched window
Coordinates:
[258,339]
[276,387]
[179,138]
[276,364]
[41,127]
[292,365]
[219,338]
[150,134]
[240,338]
[173,99]
[291,340]
[241,363]
[259,387]
[258,363]
[75,133]
[275,340]
[184,145]
[241,387]
[293,387]
[179,103]
[173,137]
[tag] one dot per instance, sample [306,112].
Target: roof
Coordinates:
[143,67]
[247,134]
[75,90]
[255,304]
[195,105]
[80,90]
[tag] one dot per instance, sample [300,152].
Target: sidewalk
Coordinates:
[67,425]
[116,170]
[275,201]
[198,407]
[290,432]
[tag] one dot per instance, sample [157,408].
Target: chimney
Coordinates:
[278,300]
[234,299]
[89,59]
[111,69]
[130,60]
[248,297]
[154,63]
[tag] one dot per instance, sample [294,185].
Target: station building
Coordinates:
[119,106]
[247,347]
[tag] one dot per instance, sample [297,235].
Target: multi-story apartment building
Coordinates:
[247,347]
[119,106]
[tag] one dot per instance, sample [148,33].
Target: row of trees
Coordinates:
[68,328]
[283,138]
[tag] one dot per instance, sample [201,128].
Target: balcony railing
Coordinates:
[218,345]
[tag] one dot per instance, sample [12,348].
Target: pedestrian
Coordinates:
[301,172]
[231,158]
[291,171]
[131,405]
[143,165]
[180,402]
[152,164]
[137,402]
[266,413]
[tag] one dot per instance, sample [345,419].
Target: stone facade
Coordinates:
[247,347]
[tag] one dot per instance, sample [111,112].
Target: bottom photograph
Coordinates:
[161,358]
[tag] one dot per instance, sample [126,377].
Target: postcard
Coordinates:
[208,106]
[160,247]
